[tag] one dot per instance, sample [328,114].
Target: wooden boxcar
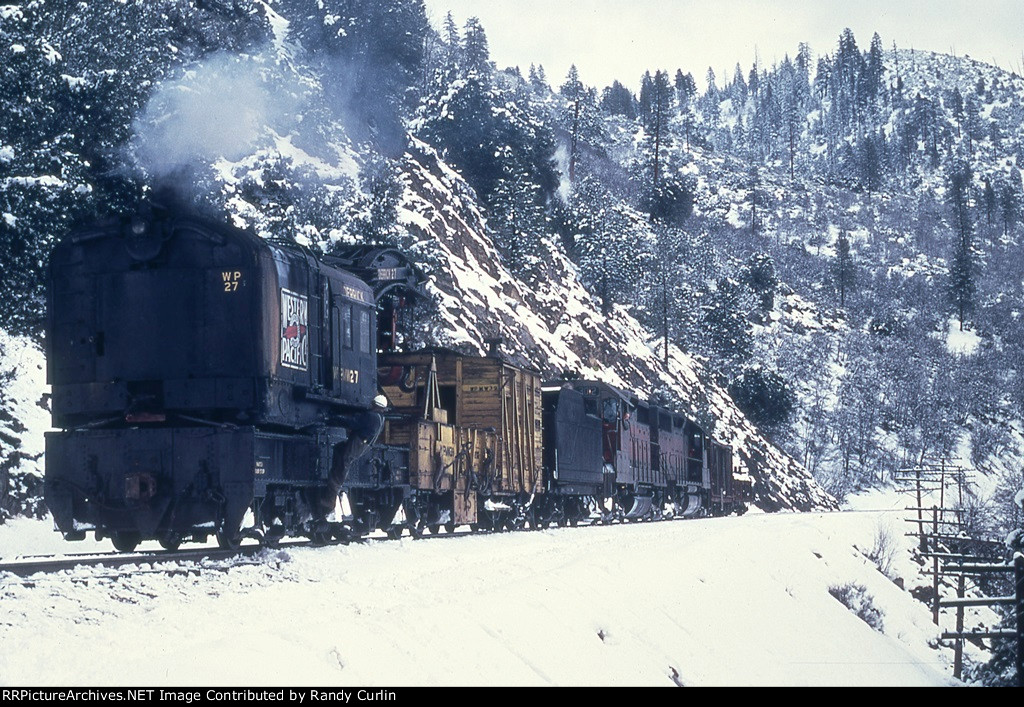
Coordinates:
[474,429]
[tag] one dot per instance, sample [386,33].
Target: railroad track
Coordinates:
[51,564]
[198,560]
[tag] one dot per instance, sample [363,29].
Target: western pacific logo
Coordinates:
[294,331]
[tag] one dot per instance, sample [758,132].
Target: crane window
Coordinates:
[364,331]
[611,410]
[346,326]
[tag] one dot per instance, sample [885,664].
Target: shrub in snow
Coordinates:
[883,549]
[855,597]
[1001,669]
[758,274]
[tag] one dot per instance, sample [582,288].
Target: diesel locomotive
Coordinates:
[208,382]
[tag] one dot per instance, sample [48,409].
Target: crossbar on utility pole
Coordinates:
[992,601]
[979,569]
[950,635]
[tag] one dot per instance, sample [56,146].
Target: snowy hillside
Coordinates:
[862,230]
[559,328]
[819,261]
[757,600]
[798,237]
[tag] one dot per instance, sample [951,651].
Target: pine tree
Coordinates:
[604,243]
[764,397]
[659,139]
[686,91]
[452,60]
[990,199]
[539,80]
[925,120]
[476,50]
[619,100]
[738,89]
[962,270]
[645,100]
[1011,200]
[517,219]
[874,70]
[754,81]
[759,276]
[956,107]
[72,78]
[709,102]
[376,208]
[482,132]
[794,93]
[755,198]
[574,92]
[974,127]
[844,270]
[375,49]
[872,159]
[728,337]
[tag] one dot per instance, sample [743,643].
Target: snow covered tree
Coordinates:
[1011,198]
[686,92]
[871,161]
[844,269]
[376,207]
[764,396]
[737,90]
[989,199]
[73,77]
[518,220]
[963,267]
[580,118]
[656,122]
[728,338]
[605,242]
[874,70]
[476,49]
[538,80]
[372,55]
[710,107]
[490,137]
[619,100]
[793,92]
[759,276]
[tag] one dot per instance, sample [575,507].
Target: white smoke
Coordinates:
[564,185]
[220,109]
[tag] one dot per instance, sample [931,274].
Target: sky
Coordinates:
[617,39]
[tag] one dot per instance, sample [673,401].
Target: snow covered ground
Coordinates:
[734,601]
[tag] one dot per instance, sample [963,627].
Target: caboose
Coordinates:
[200,372]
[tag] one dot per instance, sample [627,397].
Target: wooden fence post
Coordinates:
[958,655]
[1018,574]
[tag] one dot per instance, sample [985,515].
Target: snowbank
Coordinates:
[734,601]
